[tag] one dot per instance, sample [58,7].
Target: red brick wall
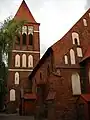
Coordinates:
[29,107]
[24,82]
[86,73]
[36,57]
[65,100]
[63,46]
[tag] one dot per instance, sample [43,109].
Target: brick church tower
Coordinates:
[25,55]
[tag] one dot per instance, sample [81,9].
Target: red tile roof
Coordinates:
[86,97]
[24,13]
[30,96]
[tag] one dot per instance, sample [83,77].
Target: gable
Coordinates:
[63,46]
[24,13]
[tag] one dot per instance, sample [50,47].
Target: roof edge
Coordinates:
[41,61]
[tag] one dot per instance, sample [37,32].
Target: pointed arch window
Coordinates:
[30,33]
[76,87]
[17,60]
[30,61]
[75,38]
[72,56]
[66,59]
[85,22]
[24,60]
[79,52]
[24,29]
[12,95]
[30,30]
[24,37]
[30,39]
[17,78]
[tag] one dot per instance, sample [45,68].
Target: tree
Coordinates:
[8,32]
[9,29]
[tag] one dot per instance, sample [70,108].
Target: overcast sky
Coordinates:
[56,16]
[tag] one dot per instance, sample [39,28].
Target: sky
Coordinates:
[56,17]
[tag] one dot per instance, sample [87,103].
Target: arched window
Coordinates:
[23,60]
[16,78]
[66,59]
[24,38]
[89,75]
[24,30]
[76,87]
[72,56]
[17,60]
[75,38]
[85,22]
[79,52]
[30,61]
[30,30]
[12,95]
[30,39]
[30,33]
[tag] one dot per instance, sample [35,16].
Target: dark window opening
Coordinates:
[76,42]
[30,39]
[24,39]
[41,76]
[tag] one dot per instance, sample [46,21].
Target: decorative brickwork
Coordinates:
[24,56]
[66,78]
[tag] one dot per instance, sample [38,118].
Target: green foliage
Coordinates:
[9,29]
[3,89]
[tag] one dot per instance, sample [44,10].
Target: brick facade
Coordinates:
[21,49]
[53,76]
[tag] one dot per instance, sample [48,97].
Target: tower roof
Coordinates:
[24,13]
